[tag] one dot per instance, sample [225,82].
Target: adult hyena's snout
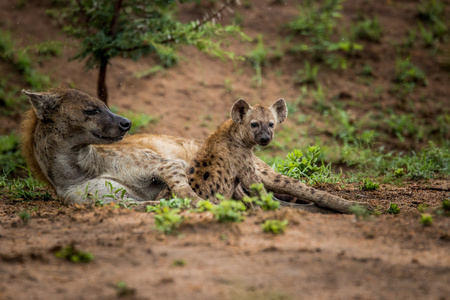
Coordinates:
[124,123]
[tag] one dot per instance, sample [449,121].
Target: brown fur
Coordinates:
[27,146]
[226,160]
[74,152]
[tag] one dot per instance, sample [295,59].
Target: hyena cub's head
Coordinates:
[258,123]
[78,117]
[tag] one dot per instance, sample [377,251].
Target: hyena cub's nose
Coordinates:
[264,140]
[124,124]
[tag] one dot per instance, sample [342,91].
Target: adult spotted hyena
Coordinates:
[73,142]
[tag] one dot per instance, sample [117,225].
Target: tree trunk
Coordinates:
[102,91]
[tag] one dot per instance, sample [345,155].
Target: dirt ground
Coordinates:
[318,257]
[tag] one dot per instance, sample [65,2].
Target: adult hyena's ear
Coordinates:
[238,111]
[43,103]
[280,110]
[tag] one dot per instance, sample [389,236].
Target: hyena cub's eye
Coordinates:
[92,112]
[254,125]
[271,124]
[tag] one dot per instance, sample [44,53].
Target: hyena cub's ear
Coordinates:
[280,110]
[238,111]
[43,103]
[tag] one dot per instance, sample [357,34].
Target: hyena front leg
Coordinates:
[173,173]
[285,185]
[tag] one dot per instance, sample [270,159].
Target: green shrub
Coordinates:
[266,201]
[360,211]
[25,188]
[307,168]
[74,255]
[138,120]
[174,202]
[168,220]
[408,75]
[317,22]
[258,59]
[229,211]
[275,226]
[367,29]
[10,155]
[393,209]
[426,219]
[25,216]
[369,185]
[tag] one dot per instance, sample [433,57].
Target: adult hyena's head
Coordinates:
[257,124]
[79,118]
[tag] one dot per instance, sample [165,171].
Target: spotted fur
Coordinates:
[70,145]
[225,160]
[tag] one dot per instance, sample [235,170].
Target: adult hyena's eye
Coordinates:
[92,112]
[271,124]
[254,125]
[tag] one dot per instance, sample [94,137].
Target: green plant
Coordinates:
[149,72]
[228,210]
[48,48]
[367,29]
[123,290]
[360,211]
[258,58]
[130,29]
[430,162]
[167,220]
[174,202]
[317,22]
[138,120]
[408,75]
[445,208]
[427,163]
[367,70]
[6,45]
[432,13]
[422,207]
[265,201]
[204,205]
[399,172]
[307,168]
[369,185]
[320,100]
[76,256]
[10,155]
[116,195]
[25,216]
[26,188]
[179,262]
[228,85]
[308,75]
[446,205]
[21,61]
[426,219]
[427,36]
[393,209]
[275,226]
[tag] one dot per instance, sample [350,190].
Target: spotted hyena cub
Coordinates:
[225,159]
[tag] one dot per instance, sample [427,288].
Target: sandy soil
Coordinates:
[319,256]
